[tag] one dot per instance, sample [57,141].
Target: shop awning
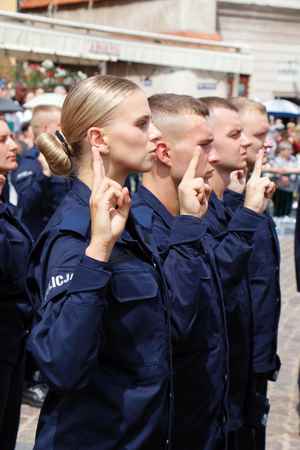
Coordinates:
[65,42]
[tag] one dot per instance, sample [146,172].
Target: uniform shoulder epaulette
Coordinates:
[76,219]
[144,215]
[32,153]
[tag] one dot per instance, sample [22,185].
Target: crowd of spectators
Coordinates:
[284,166]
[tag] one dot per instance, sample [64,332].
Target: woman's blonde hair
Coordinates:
[90,103]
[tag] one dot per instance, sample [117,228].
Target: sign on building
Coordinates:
[287,72]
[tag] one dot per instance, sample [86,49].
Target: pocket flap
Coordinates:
[127,286]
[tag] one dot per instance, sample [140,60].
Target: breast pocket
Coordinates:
[19,260]
[132,322]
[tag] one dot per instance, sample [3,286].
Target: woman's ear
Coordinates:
[97,138]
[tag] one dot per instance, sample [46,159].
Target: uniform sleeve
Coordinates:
[5,252]
[233,247]
[184,268]
[31,185]
[67,341]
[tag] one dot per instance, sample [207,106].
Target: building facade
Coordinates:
[273,32]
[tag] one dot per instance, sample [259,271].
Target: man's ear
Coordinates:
[44,128]
[97,138]
[163,152]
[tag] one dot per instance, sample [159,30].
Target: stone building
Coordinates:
[273,32]
[196,47]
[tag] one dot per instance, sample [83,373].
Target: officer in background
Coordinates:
[15,308]
[39,191]
[245,406]
[39,195]
[264,266]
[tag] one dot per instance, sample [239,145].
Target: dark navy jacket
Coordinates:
[38,195]
[200,347]
[15,308]
[263,269]
[230,235]
[103,343]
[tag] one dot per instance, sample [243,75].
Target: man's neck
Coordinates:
[219,182]
[164,190]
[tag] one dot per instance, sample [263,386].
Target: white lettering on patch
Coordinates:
[24,174]
[58,281]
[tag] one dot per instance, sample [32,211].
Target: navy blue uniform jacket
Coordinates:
[263,268]
[38,195]
[15,307]
[200,347]
[230,235]
[103,343]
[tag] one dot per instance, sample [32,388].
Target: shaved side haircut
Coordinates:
[218,102]
[245,105]
[168,111]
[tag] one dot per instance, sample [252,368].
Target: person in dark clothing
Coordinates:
[199,338]
[245,405]
[39,191]
[103,339]
[15,308]
[264,266]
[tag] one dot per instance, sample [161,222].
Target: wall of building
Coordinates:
[294,4]
[275,37]
[144,15]
[9,5]
[159,79]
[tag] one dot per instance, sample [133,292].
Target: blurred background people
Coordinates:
[39,191]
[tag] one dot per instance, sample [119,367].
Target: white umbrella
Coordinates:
[282,108]
[45,99]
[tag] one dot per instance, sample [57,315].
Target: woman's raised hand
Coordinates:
[193,192]
[107,222]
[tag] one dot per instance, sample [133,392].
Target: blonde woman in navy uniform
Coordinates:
[103,340]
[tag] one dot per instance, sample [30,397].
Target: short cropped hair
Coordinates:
[218,102]
[43,114]
[245,105]
[175,105]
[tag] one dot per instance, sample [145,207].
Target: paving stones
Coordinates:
[283,423]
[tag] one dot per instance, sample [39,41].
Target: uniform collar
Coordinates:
[82,190]
[156,205]
[218,206]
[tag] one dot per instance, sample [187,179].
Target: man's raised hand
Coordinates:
[193,192]
[259,189]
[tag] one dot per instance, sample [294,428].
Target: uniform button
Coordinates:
[154,265]
[226,377]
[278,300]
[224,420]
[170,394]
